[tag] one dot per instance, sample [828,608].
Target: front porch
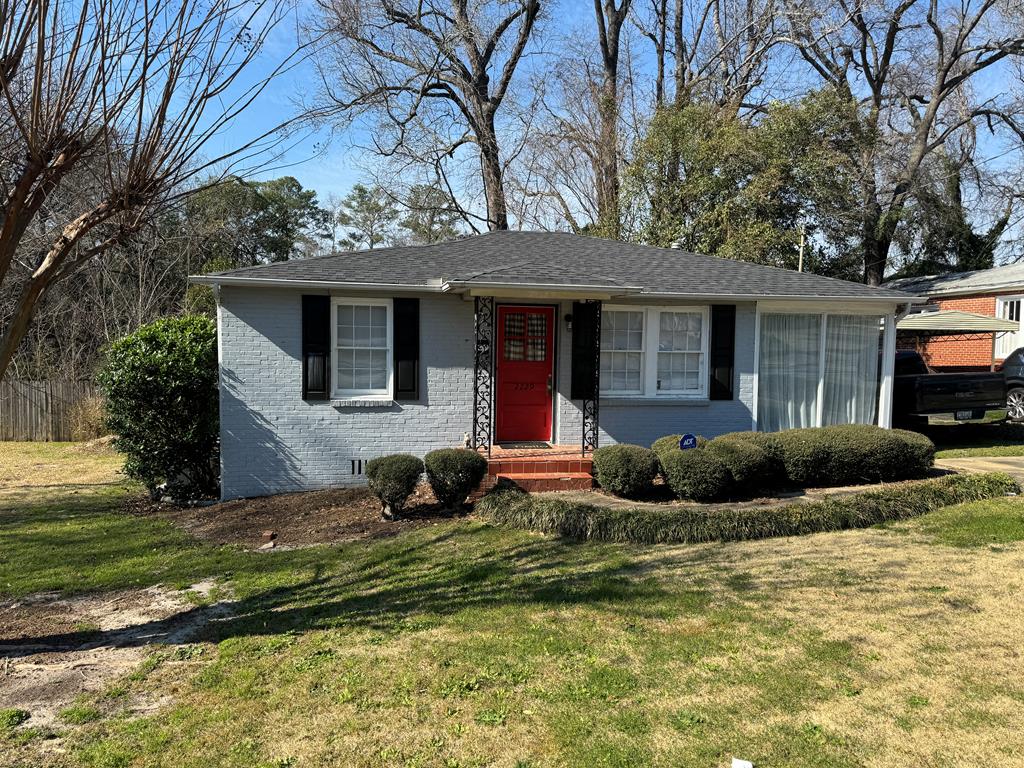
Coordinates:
[553,468]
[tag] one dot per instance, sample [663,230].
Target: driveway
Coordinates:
[1011,465]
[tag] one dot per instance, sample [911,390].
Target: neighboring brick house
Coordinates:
[996,292]
[529,338]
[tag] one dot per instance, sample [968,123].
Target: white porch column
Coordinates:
[888,365]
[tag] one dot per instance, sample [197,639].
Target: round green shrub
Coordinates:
[392,480]
[625,470]
[670,443]
[918,455]
[850,454]
[453,474]
[865,453]
[805,456]
[160,385]
[698,474]
[748,463]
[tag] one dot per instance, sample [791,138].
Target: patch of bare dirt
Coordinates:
[297,519]
[54,649]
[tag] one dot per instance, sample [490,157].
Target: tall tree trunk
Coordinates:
[609,27]
[490,166]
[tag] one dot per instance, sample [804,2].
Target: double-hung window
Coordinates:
[654,351]
[361,343]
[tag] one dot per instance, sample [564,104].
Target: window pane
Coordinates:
[362,353]
[536,350]
[850,391]
[513,350]
[621,372]
[515,324]
[789,366]
[622,330]
[679,371]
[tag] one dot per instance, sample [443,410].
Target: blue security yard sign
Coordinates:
[687,441]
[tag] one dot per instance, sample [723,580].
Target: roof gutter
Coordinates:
[908,299]
[460,286]
[456,286]
[269,282]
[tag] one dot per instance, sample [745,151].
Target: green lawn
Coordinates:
[466,645]
[955,441]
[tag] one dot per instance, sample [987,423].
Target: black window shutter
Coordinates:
[406,327]
[585,332]
[316,347]
[723,351]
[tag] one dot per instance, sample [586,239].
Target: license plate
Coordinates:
[964,415]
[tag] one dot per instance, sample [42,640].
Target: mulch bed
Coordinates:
[297,519]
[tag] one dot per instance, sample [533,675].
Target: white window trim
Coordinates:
[1008,341]
[888,332]
[649,354]
[361,394]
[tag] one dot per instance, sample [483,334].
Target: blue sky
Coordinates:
[328,163]
[332,163]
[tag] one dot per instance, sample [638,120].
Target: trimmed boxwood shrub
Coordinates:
[392,480]
[625,470]
[670,444]
[696,474]
[680,525]
[748,463]
[454,473]
[854,453]
[160,386]
[804,455]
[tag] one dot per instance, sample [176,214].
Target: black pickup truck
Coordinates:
[918,392]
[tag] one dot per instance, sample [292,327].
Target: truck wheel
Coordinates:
[1015,404]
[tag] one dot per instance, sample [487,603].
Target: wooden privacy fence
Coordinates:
[41,410]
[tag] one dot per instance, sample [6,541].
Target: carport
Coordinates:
[950,325]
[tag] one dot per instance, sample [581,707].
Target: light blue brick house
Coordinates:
[513,337]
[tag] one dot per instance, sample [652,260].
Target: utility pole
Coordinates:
[800,263]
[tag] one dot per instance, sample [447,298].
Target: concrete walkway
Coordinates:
[1011,465]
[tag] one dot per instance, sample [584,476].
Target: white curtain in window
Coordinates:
[789,371]
[850,392]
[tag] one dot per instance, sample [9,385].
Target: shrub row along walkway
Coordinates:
[1010,465]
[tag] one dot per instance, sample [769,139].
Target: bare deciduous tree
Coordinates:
[910,65]
[433,73]
[106,110]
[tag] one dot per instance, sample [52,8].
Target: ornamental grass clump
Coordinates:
[626,470]
[453,474]
[392,479]
[696,523]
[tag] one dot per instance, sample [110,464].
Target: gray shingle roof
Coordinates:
[1008,278]
[519,259]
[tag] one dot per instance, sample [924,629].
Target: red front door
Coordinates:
[525,369]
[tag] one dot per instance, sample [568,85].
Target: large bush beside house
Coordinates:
[160,385]
[393,479]
[625,470]
[453,474]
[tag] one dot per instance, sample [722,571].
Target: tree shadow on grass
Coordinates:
[465,567]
